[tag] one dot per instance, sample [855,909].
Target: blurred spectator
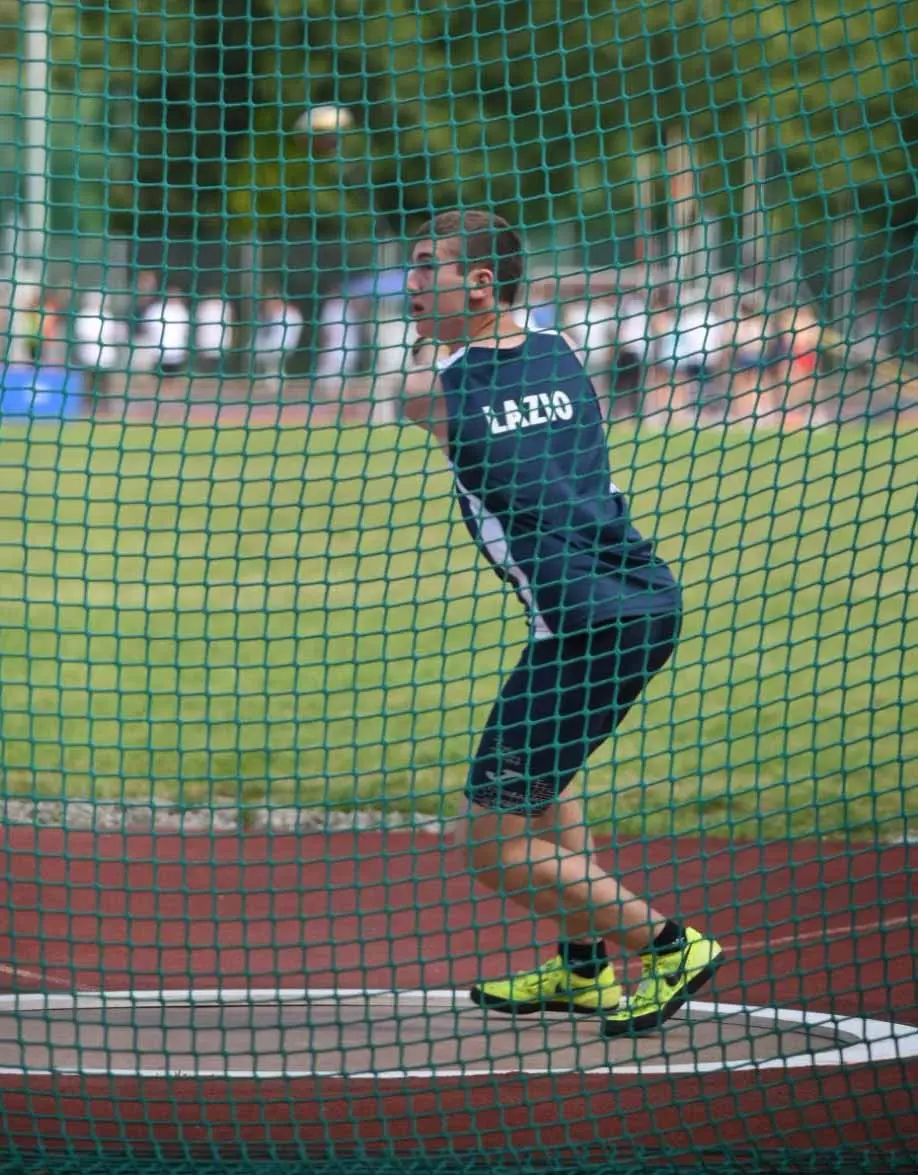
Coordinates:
[389,337]
[799,362]
[688,346]
[163,335]
[750,354]
[368,315]
[149,291]
[773,369]
[608,326]
[591,325]
[6,321]
[632,343]
[100,347]
[37,332]
[213,332]
[277,336]
[340,339]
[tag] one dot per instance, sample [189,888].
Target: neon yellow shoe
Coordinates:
[553,987]
[669,979]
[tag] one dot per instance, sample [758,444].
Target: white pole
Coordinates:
[844,266]
[643,208]
[754,227]
[683,205]
[36,15]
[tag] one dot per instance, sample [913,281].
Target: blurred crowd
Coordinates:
[686,353]
[663,353]
[163,332]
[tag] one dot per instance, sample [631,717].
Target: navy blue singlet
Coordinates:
[528,450]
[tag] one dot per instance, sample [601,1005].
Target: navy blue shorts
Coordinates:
[560,703]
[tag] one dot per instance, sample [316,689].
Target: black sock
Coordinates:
[670,938]
[586,959]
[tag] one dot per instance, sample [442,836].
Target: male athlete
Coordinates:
[521,426]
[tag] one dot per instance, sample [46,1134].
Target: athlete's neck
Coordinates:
[491,330]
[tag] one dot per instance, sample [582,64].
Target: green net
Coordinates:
[252,643]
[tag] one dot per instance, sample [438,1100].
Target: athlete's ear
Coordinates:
[481,281]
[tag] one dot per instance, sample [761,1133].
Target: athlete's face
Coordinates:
[446,293]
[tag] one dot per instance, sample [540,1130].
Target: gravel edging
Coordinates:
[218,819]
[212,819]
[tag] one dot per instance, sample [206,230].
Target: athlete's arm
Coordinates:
[422,401]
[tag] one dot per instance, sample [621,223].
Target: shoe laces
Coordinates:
[648,990]
[545,973]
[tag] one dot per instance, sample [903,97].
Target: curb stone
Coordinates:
[158,816]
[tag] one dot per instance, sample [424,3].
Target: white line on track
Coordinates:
[787,940]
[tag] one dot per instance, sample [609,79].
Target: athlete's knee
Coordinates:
[491,839]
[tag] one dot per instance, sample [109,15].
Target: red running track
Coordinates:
[816,926]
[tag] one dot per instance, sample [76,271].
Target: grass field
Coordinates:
[298,617]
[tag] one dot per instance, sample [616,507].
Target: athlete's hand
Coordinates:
[425,354]
[422,400]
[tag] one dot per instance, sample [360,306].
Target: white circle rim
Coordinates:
[873,1041]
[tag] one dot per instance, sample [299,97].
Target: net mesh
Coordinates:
[249,650]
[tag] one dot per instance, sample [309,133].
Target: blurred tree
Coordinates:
[532,105]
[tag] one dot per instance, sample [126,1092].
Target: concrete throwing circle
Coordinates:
[379,1034]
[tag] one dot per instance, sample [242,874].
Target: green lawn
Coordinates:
[298,617]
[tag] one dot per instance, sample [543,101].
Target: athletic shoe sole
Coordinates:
[493,1003]
[653,1020]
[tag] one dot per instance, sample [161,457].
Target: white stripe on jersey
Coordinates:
[493,538]
[449,360]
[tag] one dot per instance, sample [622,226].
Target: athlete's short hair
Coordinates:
[483,237]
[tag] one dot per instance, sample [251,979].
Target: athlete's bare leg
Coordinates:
[545,864]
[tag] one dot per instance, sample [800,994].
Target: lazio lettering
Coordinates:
[529,411]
